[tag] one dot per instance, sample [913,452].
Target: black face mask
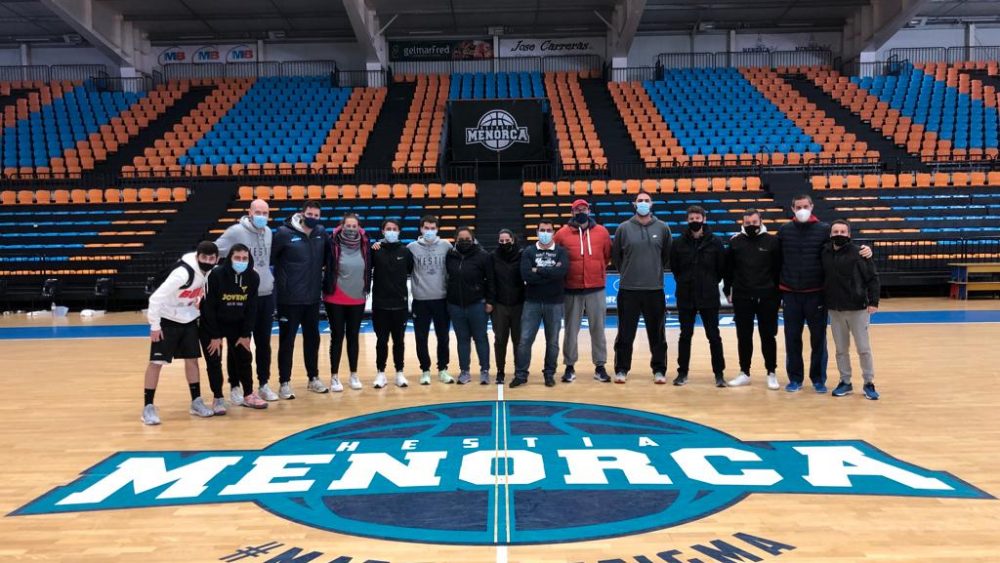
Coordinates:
[581,218]
[841,240]
[506,247]
[465,246]
[310,222]
[751,230]
[205,266]
[695,226]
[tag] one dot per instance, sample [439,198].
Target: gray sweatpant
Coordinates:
[594,305]
[844,325]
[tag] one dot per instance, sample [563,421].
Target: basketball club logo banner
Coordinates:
[491,130]
[484,473]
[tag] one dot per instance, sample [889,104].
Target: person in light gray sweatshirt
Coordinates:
[252,231]
[429,285]
[641,252]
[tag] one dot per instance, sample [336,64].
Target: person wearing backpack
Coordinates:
[228,313]
[173,313]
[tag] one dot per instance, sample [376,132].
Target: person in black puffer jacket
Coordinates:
[470,300]
[509,289]
[802,241]
[698,262]
[391,264]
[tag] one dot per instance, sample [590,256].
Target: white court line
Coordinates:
[496,477]
[501,548]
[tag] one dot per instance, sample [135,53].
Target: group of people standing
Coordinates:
[809,267]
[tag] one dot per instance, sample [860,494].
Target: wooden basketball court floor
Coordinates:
[71,403]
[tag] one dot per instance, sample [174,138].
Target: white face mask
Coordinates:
[803,215]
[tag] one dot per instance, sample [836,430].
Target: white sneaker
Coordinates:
[335,385]
[236,395]
[285,391]
[659,378]
[379,380]
[621,377]
[401,380]
[199,408]
[772,381]
[316,386]
[149,415]
[425,378]
[355,383]
[740,380]
[219,407]
[265,393]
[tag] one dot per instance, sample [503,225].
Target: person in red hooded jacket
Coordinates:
[589,248]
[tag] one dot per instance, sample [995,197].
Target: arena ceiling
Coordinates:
[168,21]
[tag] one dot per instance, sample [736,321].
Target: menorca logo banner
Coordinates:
[494,472]
[491,130]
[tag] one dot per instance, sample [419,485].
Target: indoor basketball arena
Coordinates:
[616,281]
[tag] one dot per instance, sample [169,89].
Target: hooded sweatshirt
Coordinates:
[641,253]
[589,250]
[171,302]
[470,277]
[753,265]
[507,281]
[259,243]
[230,300]
[298,261]
[429,280]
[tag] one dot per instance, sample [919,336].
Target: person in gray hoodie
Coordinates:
[252,231]
[641,252]
[429,287]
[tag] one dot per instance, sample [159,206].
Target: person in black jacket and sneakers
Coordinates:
[802,241]
[543,268]
[392,262]
[470,301]
[508,298]
[298,254]
[698,261]
[753,262]
[851,289]
[229,311]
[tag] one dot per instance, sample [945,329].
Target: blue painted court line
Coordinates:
[726,320]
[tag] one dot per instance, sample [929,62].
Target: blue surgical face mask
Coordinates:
[240,267]
[391,236]
[430,235]
[643,207]
[259,221]
[545,238]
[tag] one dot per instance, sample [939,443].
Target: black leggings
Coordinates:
[345,322]
[239,362]
[389,323]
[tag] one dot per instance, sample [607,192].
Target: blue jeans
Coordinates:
[470,324]
[805,309]
[533,315]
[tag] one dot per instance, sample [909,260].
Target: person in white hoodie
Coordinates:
[252,231]
[173,327]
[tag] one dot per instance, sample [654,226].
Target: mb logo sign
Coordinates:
[497,130]
[483,473]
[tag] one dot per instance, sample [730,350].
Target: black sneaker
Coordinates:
[517,382]
[601,374]
[681,379]
[720,380]
[569,376]
[550,381]
[500,378]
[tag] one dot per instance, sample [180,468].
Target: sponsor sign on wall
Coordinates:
[242,53]
[496,130]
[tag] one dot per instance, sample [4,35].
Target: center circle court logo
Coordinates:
[494,472]
[497,130]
